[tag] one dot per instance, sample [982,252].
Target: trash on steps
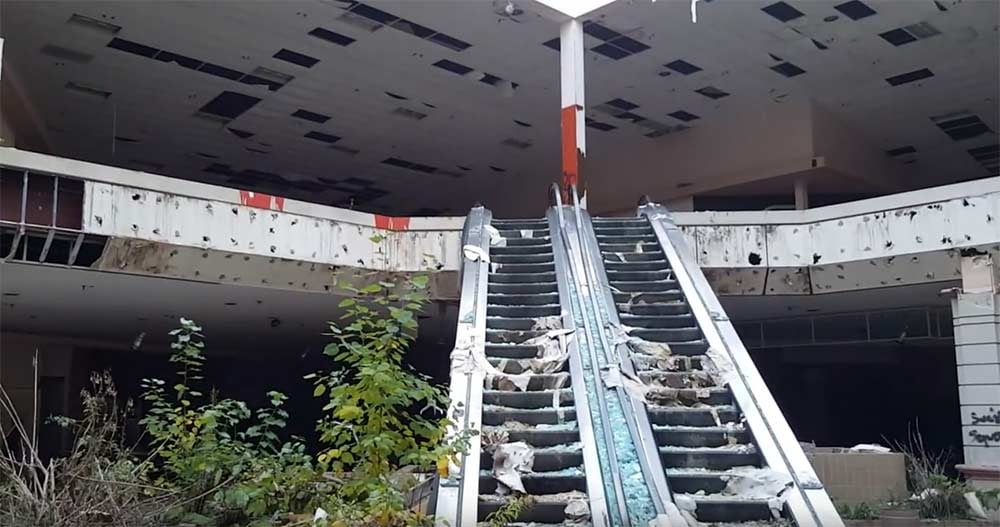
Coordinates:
[759,483]
[475,253]
[509,461]
[577,511]
[873,448]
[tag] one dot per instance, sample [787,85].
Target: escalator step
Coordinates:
[511,351]
[521,278]
[503,268]
[667,308]
[522,258]
[520,324]
[643,286]
[638,275]
[731,509]
[651,265]
[523,311]
[604,231]
[542,437]
[692,416]
[640,247]
[544,244]
[639,297]
[627,239]
[510,250]
[527,288]
[525,234]
[679,338]
[518,366]
[511,336]
[504,299]
[678,363]
[544,511]
[548,459]
[720,458]
[710,396]
[658,321]
[529,399]
[700,436]
[496,415]
[540,483]
[611,254]
[541,381]
[519,224]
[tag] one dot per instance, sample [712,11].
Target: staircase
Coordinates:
[698,429]
[523,304]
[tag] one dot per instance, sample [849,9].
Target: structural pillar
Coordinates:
[574,140]
[976,317]
[801,194]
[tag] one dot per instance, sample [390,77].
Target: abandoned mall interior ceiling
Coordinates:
[367,104]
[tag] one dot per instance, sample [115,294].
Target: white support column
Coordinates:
[801,194]
[976,316]
[574,140]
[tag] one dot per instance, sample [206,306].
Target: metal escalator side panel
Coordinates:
[458,493]
[808,502]
[591,461]
[642,430]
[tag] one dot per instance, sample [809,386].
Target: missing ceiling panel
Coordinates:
[898,37]
[622,104]
[598,125]
[229,105]
[922,30]
[219,71]
[683,67]
[180,60]
[962,126]
[490,79]
[61,53]
[311,116]
[412,28]
[610,51]
[516,143]
[449,42]
[84,89]
[454,67]
[93,24]
[681,115]
[712,92]
[242,134]
[274,79]
[855,10]
[552,44]
[132,47]
[782,11]
[409,114]
[322,137]
[988,157]
[332,36]
[629,44]
[359,22]
[497,169]
[901,151]
[373,14]
[345,149]
[912,76]
[598,31]
[522,123]
[788,69]
[296,58]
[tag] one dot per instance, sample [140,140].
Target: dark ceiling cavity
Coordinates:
[229,105]
[242,134]
[323,137]
[681,115]
[516,143]
[782,11]
[274,80]
[311,116]
[454,67]
[497,169]
[610,51]
[296,58]
[819,45]
[465,168]
[912,76]
[132,47]
[855,9]
[898,37]
[901,151]
[409,114]
[426,212]
[429,105]
[622,104]
[332,36]
[382,18]
[597,30]
[683,67]
[345,149]
[616,46]
[522,123]
[360,182]
[124,139]
[552,44]
[988,156]
[87,90]
[489,78]
[962,126]
[788,69]
[598,125]
[911,33]
[940,6]
[409,165]
[712,92]
[93,23]
[397,96]
[62,53]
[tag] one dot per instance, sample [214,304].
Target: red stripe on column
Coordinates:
[261,201]
[570,160]
[390,223]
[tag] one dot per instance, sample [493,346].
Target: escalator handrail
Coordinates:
[808,503]
[642,430]
[458,495]
[585,426]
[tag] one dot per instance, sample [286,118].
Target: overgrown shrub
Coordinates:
[381,415]
[936,495]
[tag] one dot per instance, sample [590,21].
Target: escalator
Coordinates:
[608,387]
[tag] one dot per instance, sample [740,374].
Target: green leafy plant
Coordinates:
[380,414]
[230,463]
[510,510]
[936,495]
[858,511]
